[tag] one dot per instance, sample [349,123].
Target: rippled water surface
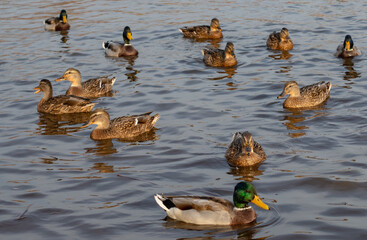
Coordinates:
[56,181]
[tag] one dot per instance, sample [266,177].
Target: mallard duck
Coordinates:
[280,40]
[60,104]
[210,32]
[57,23]
[92,88]
[347,48]
[220,58]
[122,127]
[212,210]
[308,96]
[119,49]
[243,151]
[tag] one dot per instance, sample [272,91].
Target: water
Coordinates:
[73,187]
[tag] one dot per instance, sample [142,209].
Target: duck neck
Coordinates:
[47,94]
[76,80]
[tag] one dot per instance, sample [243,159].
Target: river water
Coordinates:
[58,183]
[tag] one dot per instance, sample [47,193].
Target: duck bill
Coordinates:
[86,125]
[60,79]
[64,19]
[129,36]
[281,95]
[219,29]
[257,201]
[347,45]
[38,90]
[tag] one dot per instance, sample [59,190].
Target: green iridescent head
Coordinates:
[127,35]
[63,16]
[245,192]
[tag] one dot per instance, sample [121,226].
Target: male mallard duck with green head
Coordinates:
[118,49]
[203,32]
[125,127]
[212,210]
[244,151]
[220,58]
[60,104]
[280,40]
[92,88]
[57,23]
[347,48]
[306,97]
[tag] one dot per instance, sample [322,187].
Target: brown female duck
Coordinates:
[280,40]
[220,58]
[125,127]
[243,151]
[347,48]
[306,97]
[203,32]
[203,210]
[60,104]
[92,88]
[57,23]
[118,49]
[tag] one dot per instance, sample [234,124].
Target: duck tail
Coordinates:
[113,80]
[180,29]
[155,118]
[163,202]
[105,45]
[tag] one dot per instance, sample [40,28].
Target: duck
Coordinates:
[57,23]
[119,49]
[206,210]
[220,58]
[60,104]
[280,40]
[92,88]
[125,127]
[306,97]
[347,48]
[203,32]
[244,151]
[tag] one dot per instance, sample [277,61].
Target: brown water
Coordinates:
[75,188]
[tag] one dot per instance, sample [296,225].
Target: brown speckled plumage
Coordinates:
[280,40]
[203,32]
[243,151]
[92,88]
[125,127]
[306,97]
[60,104]
[220,58]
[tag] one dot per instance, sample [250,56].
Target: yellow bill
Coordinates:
[38,90]
[347,45]
[60,79]
[129,36]
[260,203]
[64,19]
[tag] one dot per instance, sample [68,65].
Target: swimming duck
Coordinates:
[308,96]
[212,210]
[122,127]
[280,40]
[220,58]
[92,88]
[210,32]
[60,104]
[243,151]
[118,49]
[347,48]
[57,23]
